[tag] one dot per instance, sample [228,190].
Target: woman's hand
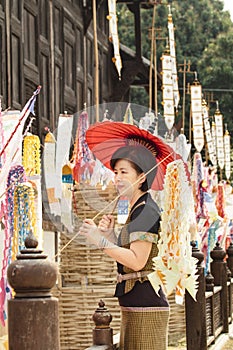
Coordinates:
[90,231]
[93,234]
[106,226]
[106,223]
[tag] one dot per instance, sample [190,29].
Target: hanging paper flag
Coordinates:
[208,135]
[49,156]
[176,95]
[128,117]
[64,135]
[66,199]
[174,267]
[167,87]
[196,110]
[219,138]
[227,149]
[113,35]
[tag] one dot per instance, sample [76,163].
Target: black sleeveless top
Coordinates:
[143,223]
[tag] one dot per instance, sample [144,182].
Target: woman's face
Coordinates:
[127,180]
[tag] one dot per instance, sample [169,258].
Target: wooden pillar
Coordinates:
[33,322]
[219,271]
[195,311]
[137,19]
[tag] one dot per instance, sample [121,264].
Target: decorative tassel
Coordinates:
[15,176]
[24,214]
[220,200]
[31,155]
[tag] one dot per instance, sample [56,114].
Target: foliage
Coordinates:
[203,36]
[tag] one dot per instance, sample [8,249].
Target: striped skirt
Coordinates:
[144,328]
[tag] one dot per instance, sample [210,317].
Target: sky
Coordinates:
[228,5]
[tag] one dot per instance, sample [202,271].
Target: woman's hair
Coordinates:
[142,161]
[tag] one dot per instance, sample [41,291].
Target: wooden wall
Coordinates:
[50,43]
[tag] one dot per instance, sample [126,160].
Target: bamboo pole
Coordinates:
[8,51]
[52,65]
[184,95]
[151,58]
[155,76]
[96,61]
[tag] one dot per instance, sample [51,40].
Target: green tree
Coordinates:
[203,35]
[216,70]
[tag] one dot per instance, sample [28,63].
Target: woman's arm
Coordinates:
[134,258]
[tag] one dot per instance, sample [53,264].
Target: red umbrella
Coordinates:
[104,138]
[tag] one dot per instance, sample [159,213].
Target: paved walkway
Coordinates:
[223,342]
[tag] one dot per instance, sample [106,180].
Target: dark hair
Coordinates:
[142,161]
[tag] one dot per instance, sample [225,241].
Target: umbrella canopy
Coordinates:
[104,138]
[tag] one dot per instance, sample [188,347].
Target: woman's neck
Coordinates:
[135,197]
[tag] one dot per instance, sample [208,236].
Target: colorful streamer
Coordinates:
[15,177]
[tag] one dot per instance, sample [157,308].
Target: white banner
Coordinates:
[197,121]
[64,135]
[168,101]
[176,95]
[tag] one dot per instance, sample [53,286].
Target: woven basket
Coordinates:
[76,307]
[88,275]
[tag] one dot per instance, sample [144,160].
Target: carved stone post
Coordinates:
[33,322]
[195,311]
[102,333]
[218,269]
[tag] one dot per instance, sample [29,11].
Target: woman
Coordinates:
[144,314]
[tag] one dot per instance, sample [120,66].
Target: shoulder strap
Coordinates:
[137,206]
